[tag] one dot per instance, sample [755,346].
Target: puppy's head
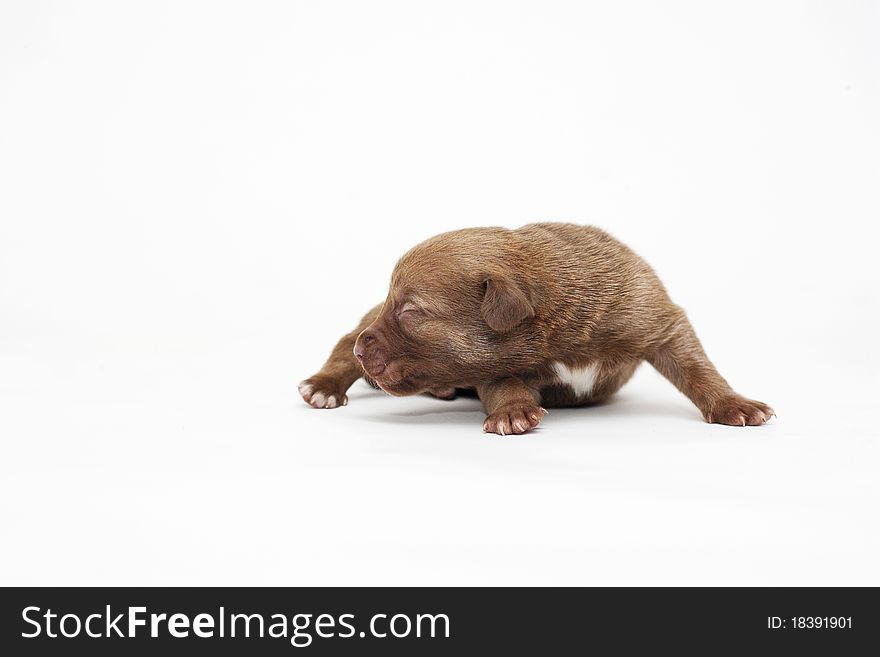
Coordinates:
[454,304]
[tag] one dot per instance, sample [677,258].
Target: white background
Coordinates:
[198,198]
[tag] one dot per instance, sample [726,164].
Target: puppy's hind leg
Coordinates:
[327,388]
[681,359]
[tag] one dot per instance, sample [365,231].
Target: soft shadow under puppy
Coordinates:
[466,410]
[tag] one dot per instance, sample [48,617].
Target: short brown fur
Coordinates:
[492,310]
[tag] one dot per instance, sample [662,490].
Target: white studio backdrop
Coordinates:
[198,198]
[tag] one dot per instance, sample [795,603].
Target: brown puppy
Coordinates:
[548,314]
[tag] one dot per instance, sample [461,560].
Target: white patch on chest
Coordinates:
[579,379]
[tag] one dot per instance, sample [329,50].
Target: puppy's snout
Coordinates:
[360,345]
[368,352]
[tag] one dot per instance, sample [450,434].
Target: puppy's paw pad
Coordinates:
[321,395]
[514,419]
[738,411]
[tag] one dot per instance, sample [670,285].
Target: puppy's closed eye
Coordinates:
[408,309]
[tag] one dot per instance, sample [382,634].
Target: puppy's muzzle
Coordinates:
[372,356]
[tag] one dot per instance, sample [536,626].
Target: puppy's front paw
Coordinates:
[446,394]
[514,419]
[322,392]
[739,411]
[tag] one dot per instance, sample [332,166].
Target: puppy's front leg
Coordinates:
[512,406]
[327,388]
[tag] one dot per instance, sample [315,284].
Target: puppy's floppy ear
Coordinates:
[505,304]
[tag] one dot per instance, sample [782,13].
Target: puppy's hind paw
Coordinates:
[321,393]
[738,411]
